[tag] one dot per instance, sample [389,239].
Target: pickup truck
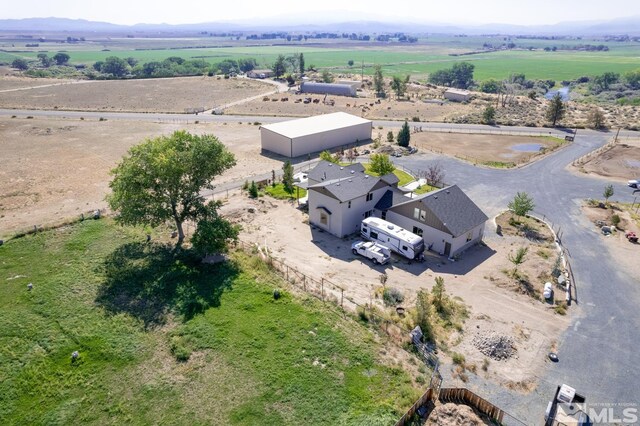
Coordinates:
[378,253]
[634,183]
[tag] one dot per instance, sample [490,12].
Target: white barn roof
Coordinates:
[316,124]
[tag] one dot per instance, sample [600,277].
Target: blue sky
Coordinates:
[523,12]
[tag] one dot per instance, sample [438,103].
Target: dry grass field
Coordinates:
[56,169]
[152,95]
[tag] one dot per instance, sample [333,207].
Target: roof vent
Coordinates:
[352,172]
[341,168]
[350,180]
[330,164]
[338,184]
[447,191]
[435,196]
[366,176]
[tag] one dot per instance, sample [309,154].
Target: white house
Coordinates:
[341,197]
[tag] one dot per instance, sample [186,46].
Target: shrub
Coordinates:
[392,296]
[415,119]
[457,358]
[253,190]
[615,220]
[179,349]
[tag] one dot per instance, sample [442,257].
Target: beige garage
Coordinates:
[314,134]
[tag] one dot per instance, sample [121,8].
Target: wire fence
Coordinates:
[565,255]
[328,291]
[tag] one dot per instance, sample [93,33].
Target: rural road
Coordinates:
[597,353]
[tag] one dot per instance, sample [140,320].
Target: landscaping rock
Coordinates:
[495,346]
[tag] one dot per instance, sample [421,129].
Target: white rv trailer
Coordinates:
[392,236]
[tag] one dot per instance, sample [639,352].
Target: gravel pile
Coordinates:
[495,346]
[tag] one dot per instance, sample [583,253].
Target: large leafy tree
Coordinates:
[61,58]
[399,85]
[556,109]
[280,66]
[213,232]
[20,64]
[161,179]
[404,135]
[114,65]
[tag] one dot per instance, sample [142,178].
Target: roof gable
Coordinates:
[448,209]
[346,189]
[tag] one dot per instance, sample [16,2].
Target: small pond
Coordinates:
[526,147]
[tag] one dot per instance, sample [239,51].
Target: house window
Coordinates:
[368,213]
[417,231]
[423,215]
[349,205]
[383,215]
[416,213]
[374,234]
[369,197]
[323,218]
[405,248]
[469,236]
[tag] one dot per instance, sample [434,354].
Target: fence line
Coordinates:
[564,256]
[604,148]
[328,291]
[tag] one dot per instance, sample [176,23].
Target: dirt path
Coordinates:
[17,89]
[280,87]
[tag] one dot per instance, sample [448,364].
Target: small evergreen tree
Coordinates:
[253,190]
[404,135]
[556,109]
[390,137]
[287,177]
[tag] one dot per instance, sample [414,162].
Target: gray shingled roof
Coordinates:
[325,171]
[346,189]
[453,208]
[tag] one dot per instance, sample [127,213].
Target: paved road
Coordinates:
[597,354]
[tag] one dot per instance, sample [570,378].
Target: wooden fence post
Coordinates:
[322,288]
[341,297]
[287,272]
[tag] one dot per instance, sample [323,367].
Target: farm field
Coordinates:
[151,95]
[418,60]
[159,343]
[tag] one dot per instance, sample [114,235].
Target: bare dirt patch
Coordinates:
[533,325]
[451,414]
[56,169]
[486,149]
[620,248]
[366,105]
[620,163]
[144,95]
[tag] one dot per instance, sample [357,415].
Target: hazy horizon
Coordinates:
[502,12]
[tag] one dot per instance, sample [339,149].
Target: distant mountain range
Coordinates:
[291,23]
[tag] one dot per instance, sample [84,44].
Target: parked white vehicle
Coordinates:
[635,183]
[378,253]
[392,236]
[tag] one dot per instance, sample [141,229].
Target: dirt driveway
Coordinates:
[281,227]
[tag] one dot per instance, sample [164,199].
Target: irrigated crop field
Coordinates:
[419,59]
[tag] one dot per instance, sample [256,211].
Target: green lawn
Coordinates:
[424,189]
[404,177]
[279,192]
[133,309]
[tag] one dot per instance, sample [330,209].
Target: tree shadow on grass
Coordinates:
[148,281]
